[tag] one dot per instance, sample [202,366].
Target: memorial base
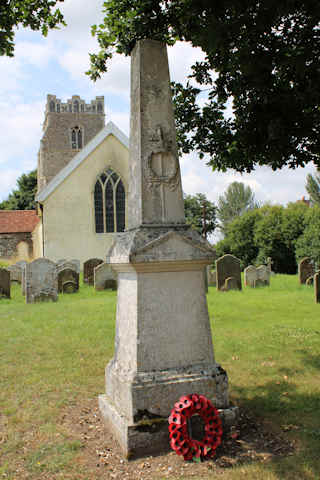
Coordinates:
[148,436]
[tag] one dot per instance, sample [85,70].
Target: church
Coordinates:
[83,173]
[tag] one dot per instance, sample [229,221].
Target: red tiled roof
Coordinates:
[15,221]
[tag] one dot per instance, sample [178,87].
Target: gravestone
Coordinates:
[41,281]
[68,281]
[4,283]
[104,277]
[72,264]
[250,276]
[16,271]
[263,274]
[228,266]
[316,283]
[23,280]
[163,344]
[231,283]
[88,270]
[305,269]
[309,281]
[212,278]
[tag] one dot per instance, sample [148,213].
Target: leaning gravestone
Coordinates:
[68,281]
[104,277]
[163,336]
[263,274]
[16,271]
[231,283]
[250,276]
[41,281]
[316,283]
[4,283]
[88,270]
[306,269]
[228,266]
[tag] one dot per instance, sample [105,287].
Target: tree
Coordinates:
[313,188]
[23,197]
[36,14]
[237,199]
[200,213]
[308,244]
[265,54]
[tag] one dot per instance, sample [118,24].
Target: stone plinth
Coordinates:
[163,345]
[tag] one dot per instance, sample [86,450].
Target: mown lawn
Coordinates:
[53,356]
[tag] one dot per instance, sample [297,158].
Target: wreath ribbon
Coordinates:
[180,441]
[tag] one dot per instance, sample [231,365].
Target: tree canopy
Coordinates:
[286,234]
[313,188]
[22,198]
[200,213]
[263,55]
[236,200]
[35,14]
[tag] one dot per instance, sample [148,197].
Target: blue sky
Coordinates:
[56,65]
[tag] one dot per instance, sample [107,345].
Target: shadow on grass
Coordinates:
[283,406]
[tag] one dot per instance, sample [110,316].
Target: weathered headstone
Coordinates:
[263,274]
[163,337]
[72,264]
[41,281]
[68,281]
[316,283]
[250,276]
[212,278]
[228,266]
[23,280]
[88,270]
[306,269]
[16,271]
[104,277]
[4,283]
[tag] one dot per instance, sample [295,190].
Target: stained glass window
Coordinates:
[109,203]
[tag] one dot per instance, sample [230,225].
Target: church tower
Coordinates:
[67,127]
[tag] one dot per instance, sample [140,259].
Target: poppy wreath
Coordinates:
[180,440]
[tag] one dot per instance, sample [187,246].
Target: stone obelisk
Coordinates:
[163,345]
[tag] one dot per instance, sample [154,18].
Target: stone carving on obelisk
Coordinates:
[163,344]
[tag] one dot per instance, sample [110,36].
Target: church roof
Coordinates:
[18,221]
[109,129]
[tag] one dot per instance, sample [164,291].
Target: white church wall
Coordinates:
[68,213]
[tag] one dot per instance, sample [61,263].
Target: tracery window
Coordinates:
[109,203]
[76,138]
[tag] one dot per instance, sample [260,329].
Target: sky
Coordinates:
[57,64]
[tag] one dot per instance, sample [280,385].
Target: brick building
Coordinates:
[17,228]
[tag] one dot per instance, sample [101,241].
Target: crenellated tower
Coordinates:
[67,128]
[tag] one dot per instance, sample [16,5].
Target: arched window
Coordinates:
[109,203]
[76,106]
[52,106]
[76,138]
[82,107]
[70,107]
[93,108]
[58,107]
[99,107]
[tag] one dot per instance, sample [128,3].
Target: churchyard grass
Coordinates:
[53,357]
